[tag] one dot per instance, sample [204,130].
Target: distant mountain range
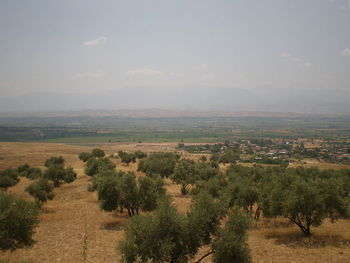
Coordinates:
[319,101]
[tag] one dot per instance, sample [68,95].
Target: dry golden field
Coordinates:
[74,229]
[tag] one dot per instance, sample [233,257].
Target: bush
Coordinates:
[17,221]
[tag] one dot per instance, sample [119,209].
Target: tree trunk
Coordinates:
[204,256]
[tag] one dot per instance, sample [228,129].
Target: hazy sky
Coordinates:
[87,46]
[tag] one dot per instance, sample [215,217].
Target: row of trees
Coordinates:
[18,218]
[44,181]
[305,196]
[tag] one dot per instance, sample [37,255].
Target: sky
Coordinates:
[96,46]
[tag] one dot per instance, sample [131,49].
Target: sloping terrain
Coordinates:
[74,229]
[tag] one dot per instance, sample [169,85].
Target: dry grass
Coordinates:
[74,229]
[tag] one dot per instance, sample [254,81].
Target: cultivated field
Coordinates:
[74,229]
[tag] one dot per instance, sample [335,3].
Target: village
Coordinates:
[276,151]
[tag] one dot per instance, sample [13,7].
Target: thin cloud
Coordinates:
[96,42]
[144,72]
[298,60]
[346,52]
[97,74]
[343,4]
[285,55]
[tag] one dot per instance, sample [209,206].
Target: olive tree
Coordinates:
[165,226]
[121,190]
[140,155]
[41,190]
[162,164]
[98,153]
[96,165]
[57,173]
[18,219]
[126,157]
[306,202]
[8,178]
[85,156]
[184,174]
[95,153]
[230,244]
[55,161]
[178,237]
[188,172]
[29,172]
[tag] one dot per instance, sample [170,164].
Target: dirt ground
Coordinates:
[74,229]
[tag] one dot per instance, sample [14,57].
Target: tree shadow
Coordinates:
[274,223]
[113,226]
[298,240]
[179,195]
[48,210]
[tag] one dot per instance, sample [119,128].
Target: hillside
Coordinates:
[74,217]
